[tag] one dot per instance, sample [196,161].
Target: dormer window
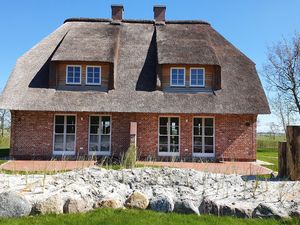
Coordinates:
[93,75]
[197,77]
[73,74]
[177,76]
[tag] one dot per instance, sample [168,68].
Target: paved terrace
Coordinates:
[242,168]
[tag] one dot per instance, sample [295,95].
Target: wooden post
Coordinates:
[293,152]
[282,170]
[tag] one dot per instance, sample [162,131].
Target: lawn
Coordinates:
[137,217]
[267,150]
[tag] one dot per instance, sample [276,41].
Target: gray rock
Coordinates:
[208,206]
[13,205]
[51,205]
[265,210]
[76,205]
[186,207]
[162,203]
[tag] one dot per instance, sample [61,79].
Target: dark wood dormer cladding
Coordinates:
[58,72]
[212,78]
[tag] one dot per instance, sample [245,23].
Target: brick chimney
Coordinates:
[159,14]
[117,12]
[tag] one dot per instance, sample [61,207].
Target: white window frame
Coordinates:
[169,153]
[89,136]
[65,134]
[191,77]
[74,83]
[203,154]
[86,74]
[184,73]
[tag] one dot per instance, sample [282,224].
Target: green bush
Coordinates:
[129,160]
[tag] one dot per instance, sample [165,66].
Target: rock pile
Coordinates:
[160,189]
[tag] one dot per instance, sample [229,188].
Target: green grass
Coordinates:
[267,150]
[4,141]
[137,217]
[2,161]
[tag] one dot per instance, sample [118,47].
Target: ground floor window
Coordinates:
[100,135]
[168,136]
[64,134]
[203,136]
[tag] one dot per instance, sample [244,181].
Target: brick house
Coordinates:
[93,85]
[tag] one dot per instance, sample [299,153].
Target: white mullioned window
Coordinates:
[93,75]
[203,136]
[100,135]
[169,135]
[197,77]
[73,74]
[64,134]
[177,76]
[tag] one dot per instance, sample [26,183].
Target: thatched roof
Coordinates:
[135,48]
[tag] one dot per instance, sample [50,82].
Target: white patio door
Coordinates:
[64,135]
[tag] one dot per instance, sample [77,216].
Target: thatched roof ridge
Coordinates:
[241,91]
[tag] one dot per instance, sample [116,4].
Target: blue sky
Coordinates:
[251,25]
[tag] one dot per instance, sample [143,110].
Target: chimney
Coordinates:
[159,14]
[117,12]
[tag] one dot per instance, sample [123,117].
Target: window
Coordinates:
[203,136]
[197,77]
[168,136]
[73,75]
[100,135]
[93,75]
[177,76]
[64,134]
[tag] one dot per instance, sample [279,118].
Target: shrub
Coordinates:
[129,160]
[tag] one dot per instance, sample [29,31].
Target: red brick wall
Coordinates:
[32,134]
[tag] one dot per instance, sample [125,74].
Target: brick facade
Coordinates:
[32,134]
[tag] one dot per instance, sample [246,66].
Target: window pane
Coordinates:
[70,142]
[197,140]
[90,70]
[209,131]
[77,80]
[163,130]
[59,119]
[77,69]
[209,149]
[59,129]
[209,122]
[95,120]
[174,130]
[94,138]
[70,69]
[94,129]
[97,70]
[209,140]
[96,80]
[58,142]
[71,120]
[197,121]
[197,131]
[174,140]
[94,147]
[163,140]
[174,148]
[163,148]
[175,121]
[90,80]
[70,129]
[105,142]
[105,125]
[198,149]
[163,121]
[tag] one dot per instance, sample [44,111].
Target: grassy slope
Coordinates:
[136,217]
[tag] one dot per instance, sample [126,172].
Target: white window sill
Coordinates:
[207,155]
[99,153]
[63,152]
[168,153]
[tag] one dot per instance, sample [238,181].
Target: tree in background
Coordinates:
[282,72]
[4,121]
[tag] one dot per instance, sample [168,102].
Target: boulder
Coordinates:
[137,200]
[109,203]
[208,206]
[162,203]
[264,210]
[13,205]
[51,205]
[76,205]
[186,206]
